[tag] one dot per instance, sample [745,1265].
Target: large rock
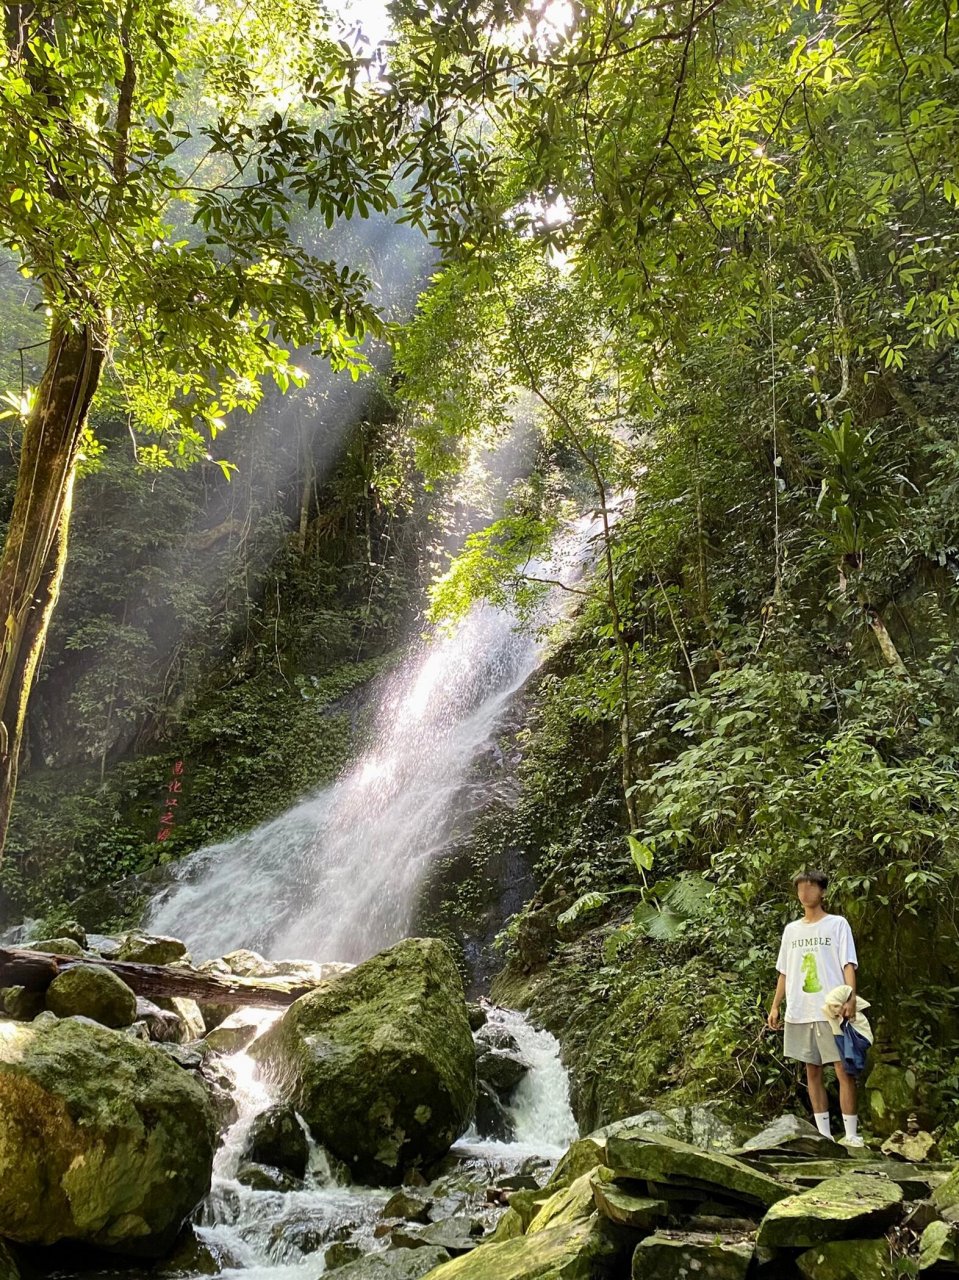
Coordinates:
[102,1138]
[380,1062]
[249,964]
[147,948]
[57,947]
[843,1208]
[571,1204]
[93,992]
[668,1257]
[917,1147]
[644,1156]
[848,1260]
[575,1251]
[19,1003]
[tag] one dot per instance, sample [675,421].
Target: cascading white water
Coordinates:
[271,1235]
[337,874]
[542,1118]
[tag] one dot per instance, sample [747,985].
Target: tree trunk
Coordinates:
[34,554]
[35,970]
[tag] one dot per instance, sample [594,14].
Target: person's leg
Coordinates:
[849,1103]
[817,1097]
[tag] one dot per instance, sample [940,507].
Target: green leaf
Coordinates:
[642,854]
[588,902]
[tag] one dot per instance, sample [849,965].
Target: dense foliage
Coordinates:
[702,262]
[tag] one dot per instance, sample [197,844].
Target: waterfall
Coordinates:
[338,873]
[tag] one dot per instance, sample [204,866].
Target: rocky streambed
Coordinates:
[382,1129]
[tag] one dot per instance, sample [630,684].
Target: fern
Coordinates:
[588,902]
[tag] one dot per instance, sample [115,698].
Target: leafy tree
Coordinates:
[151,158]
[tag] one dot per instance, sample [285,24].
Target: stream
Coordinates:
[272,1235]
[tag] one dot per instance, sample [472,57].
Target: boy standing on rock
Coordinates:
[817,953]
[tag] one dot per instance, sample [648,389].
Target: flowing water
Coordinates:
[338,874]
[270,1235]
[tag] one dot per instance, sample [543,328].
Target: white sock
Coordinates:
[822,1122]
[852,1125]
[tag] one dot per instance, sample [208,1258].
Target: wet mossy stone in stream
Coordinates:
[380,1062]
[650,1157]
[396,1264]
[848,1260]
[844,1208]
[103,1139]
[276,1138]
[91,991]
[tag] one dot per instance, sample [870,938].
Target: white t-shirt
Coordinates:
[812,957]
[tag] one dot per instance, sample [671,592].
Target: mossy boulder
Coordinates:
[379,1062]
[791,1136]
[848,1260]
[57,947]
[579,1250]
[92,992]
[19,1003]
[843,1208]
[148,948]
[102,1138]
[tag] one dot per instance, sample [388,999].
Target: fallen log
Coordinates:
[35,970]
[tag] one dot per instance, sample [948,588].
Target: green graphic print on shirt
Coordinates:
[810,973]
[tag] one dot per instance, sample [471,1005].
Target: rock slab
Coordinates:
[843,1208]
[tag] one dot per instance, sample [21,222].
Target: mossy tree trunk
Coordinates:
[34,553]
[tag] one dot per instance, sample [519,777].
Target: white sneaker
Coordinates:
[854,1141]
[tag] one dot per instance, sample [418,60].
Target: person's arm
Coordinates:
[849,973]
[773,1021]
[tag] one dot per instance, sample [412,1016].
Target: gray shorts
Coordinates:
[810,1042]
